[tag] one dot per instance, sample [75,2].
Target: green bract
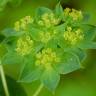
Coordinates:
[49,44]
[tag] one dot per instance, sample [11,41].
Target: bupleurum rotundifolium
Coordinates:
[46,45]
[73,36]
[48,20]
[46,58]
[24,45]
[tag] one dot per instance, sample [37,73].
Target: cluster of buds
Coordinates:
[24,45]
[73,36]
[46,58]
[45,37]
[48,20]
[22,24]
[74,14]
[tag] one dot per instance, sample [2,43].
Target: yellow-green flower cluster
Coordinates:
[48,20]
[22,24]
[46,58]
[74,14]
[73,36]
[24,45]
[47,36]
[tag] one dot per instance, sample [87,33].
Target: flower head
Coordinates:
[46,58]
[67,11]
[48,20]
[24,45]
[73,36]
[22,24]
[47,36]
[74,14]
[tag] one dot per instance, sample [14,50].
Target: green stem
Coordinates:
[38,90]
[4,81]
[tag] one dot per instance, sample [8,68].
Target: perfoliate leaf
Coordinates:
[9,32]
[51,44]
[34,32]
[59,11]
[12,57]
[89,32]
[69,63]
[29,71]
[88,45]
[60,28]
[80,53]
[50,79]
[40,11]
[31,76]
[64,44]
[38,47]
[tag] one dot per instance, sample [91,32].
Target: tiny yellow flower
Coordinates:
[76,15]
[47,23]
[45,37]
[41,23]
[69,29]
[22,24]
[24,45]
[53,19]
[45,16]
[48,20]
[73,36]
[46,58]
[28,19]
[67,11]
[38,56]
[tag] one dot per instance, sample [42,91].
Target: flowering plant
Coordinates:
[50,43]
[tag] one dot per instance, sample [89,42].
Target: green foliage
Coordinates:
[70,63]
[50,79]
[49,44]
